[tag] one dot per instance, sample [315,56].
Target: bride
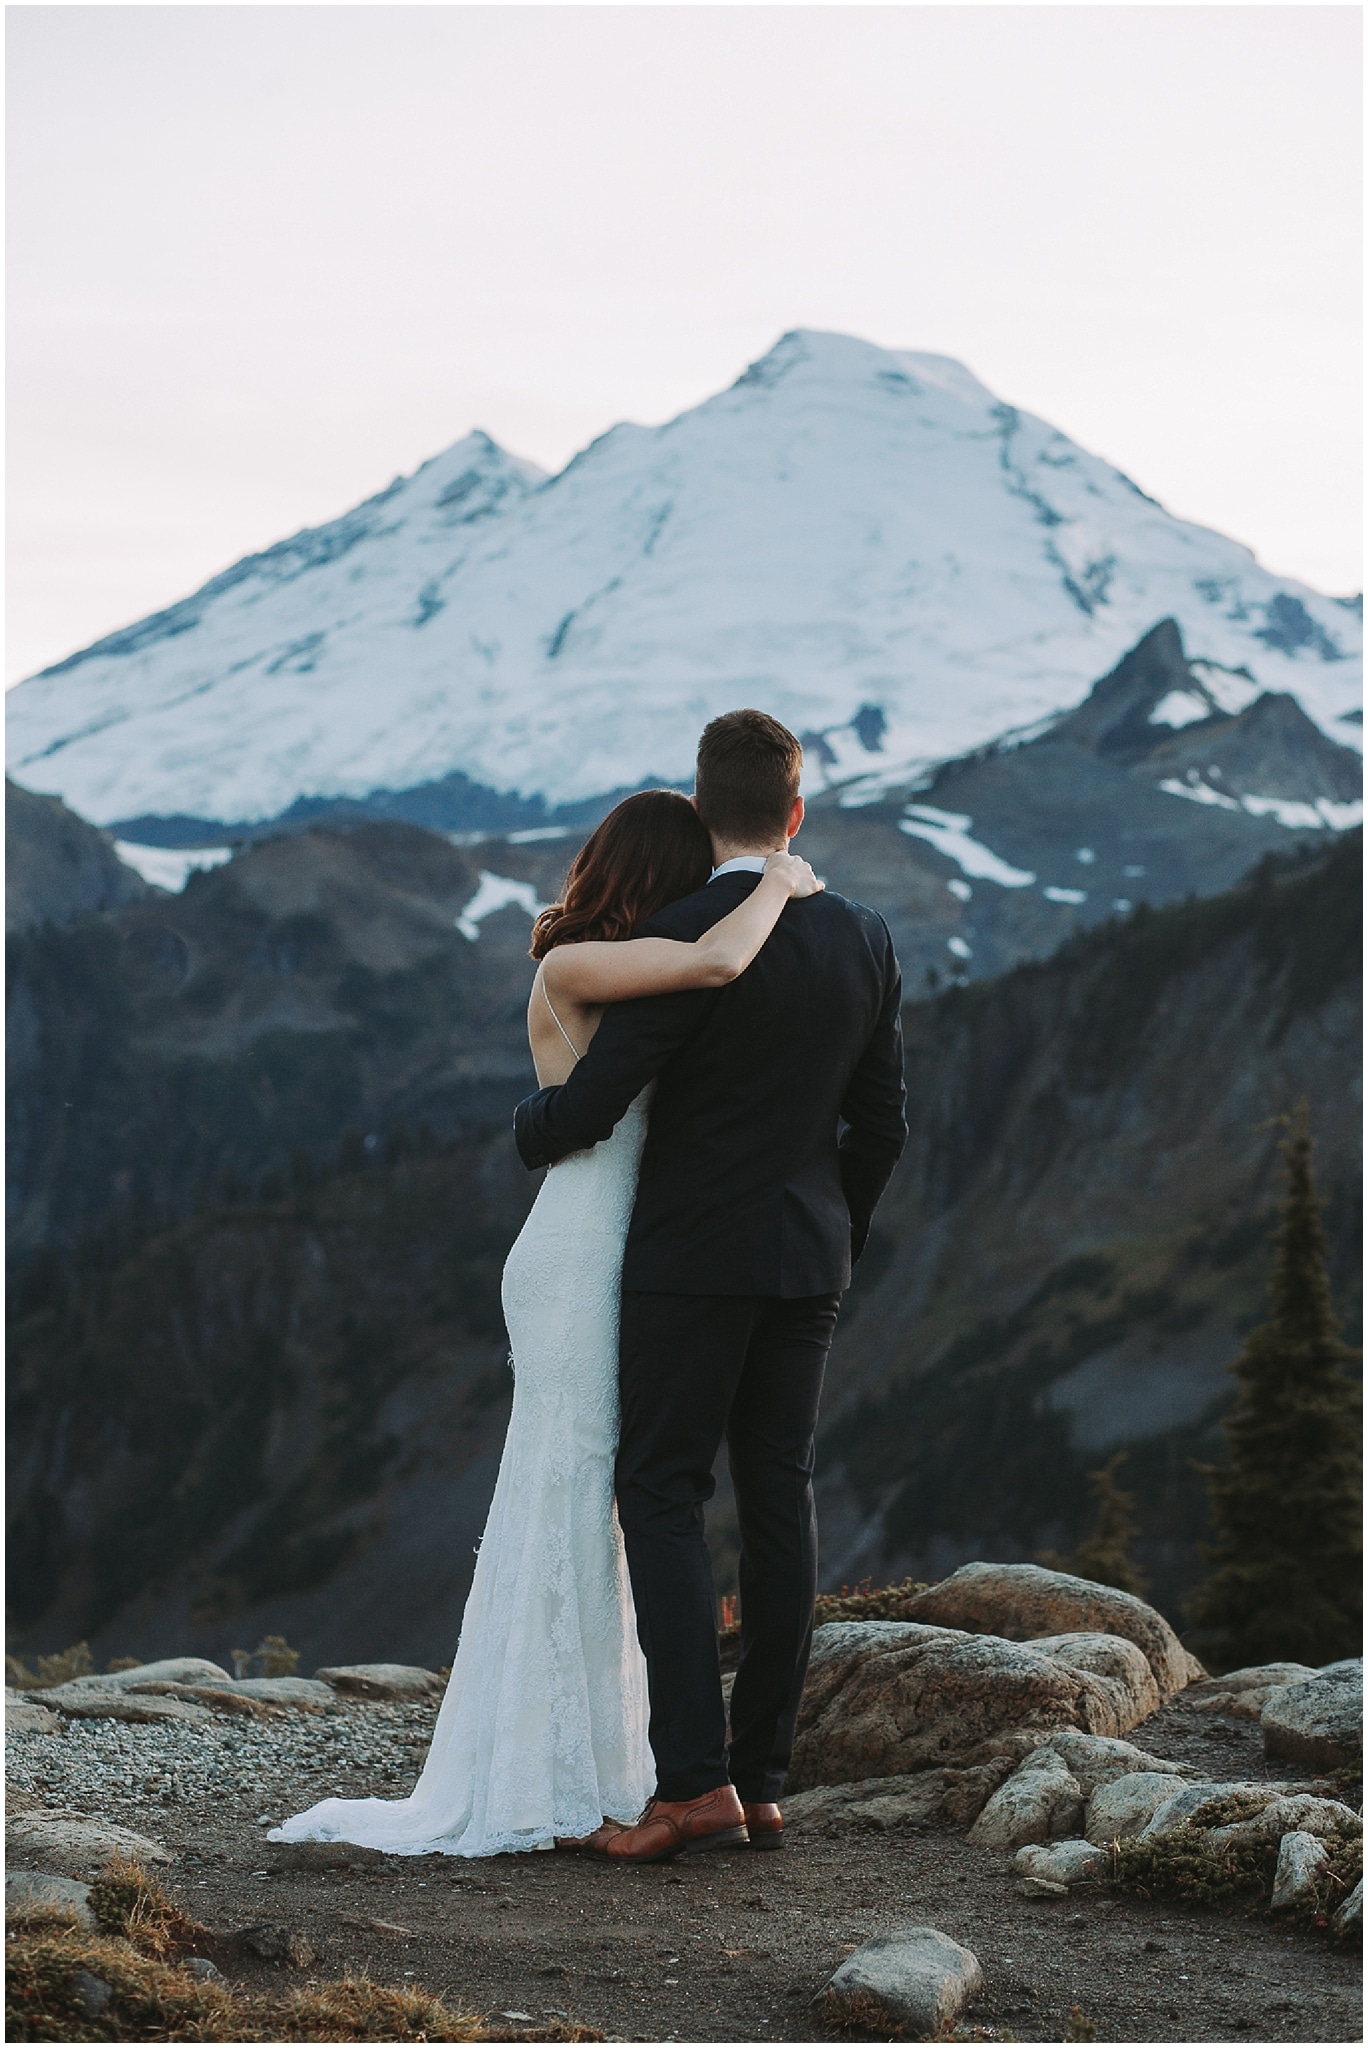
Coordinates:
[542,1733]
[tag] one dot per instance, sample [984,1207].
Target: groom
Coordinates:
[777,1120]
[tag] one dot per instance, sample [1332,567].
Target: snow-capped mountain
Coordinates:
[864,541]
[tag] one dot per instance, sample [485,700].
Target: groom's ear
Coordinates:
[795,817]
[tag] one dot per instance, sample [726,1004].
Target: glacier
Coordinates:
[865,541]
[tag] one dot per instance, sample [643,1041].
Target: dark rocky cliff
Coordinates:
[57,867]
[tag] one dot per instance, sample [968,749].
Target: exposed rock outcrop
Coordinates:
[1041,1802]
[887,1697]
[1124,1807]
[1318,1721]
[1023,1602]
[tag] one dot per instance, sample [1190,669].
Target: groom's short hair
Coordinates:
[749,768]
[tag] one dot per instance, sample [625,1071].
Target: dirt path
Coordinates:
[733,1948]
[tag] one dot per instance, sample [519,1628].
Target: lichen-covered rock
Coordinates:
[79,1845]
[884,1698]
[1123,1808]
[175,1670]
[915,1977]
[39,1895]
[1241,1793]
[383,1681]
[935,1798]
[1252,1677]
[257,1698]
[1062,1863]
[1024,1601]
[1298,1811]
[1042,1801]
[1121,1666]
[1101,1759]
[1349,1918]
[25,1717]
[1318,1721]
[1244,1694]
[1301,1860]
[132,1706]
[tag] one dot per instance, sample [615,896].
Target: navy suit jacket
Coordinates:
[779,1112]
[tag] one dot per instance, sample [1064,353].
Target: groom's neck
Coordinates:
[727,849]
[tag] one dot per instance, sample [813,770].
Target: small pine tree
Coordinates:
[1104,1556]
[1286,1577]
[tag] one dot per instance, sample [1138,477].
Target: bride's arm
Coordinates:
[595,971]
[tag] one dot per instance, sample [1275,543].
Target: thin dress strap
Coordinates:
[559,1026]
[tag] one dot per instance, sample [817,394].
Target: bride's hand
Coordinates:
[795,873]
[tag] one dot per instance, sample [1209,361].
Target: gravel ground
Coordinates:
[725,1948]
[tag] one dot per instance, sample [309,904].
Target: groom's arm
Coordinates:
[875,1110]
[630,1047]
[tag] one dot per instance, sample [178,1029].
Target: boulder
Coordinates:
[131,1706]
[1298,1811]
[1122,1808]
[1101,1759]
[272,1943]
[383,1681]
[176,1670]
[25,1717]
[1122,1667]
[1041,1888]
[40,1895]
[1187,1805]
[1318,1721]
[884,1698]
[308,1695]
[1301,1860]
[915,1977]
[945,1798]
[77,1844]
[1243,1694]
[1349,1919]
[1041,1802]
[256,1697]
[1023,1601]
[1062,1863]
[1251,1678]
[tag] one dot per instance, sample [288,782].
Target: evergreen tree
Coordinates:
[1286,1568]
[1104,1556]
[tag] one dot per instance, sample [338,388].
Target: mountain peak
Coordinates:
[848,532]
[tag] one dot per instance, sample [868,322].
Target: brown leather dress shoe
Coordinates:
[681,1827]
[592,1845]
[764,1825]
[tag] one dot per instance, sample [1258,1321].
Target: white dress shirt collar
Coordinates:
[744,864]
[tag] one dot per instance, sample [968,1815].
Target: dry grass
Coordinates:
[140,1952]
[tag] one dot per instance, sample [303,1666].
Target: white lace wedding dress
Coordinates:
[543,1728]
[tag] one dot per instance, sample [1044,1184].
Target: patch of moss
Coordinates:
[1181,1866]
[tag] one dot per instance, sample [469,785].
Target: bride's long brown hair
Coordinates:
[650,850]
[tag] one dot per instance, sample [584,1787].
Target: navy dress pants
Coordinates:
[693,1368]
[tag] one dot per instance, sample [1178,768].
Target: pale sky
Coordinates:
[264,258]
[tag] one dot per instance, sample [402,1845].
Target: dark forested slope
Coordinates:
[1077,1234]
[283,1410]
